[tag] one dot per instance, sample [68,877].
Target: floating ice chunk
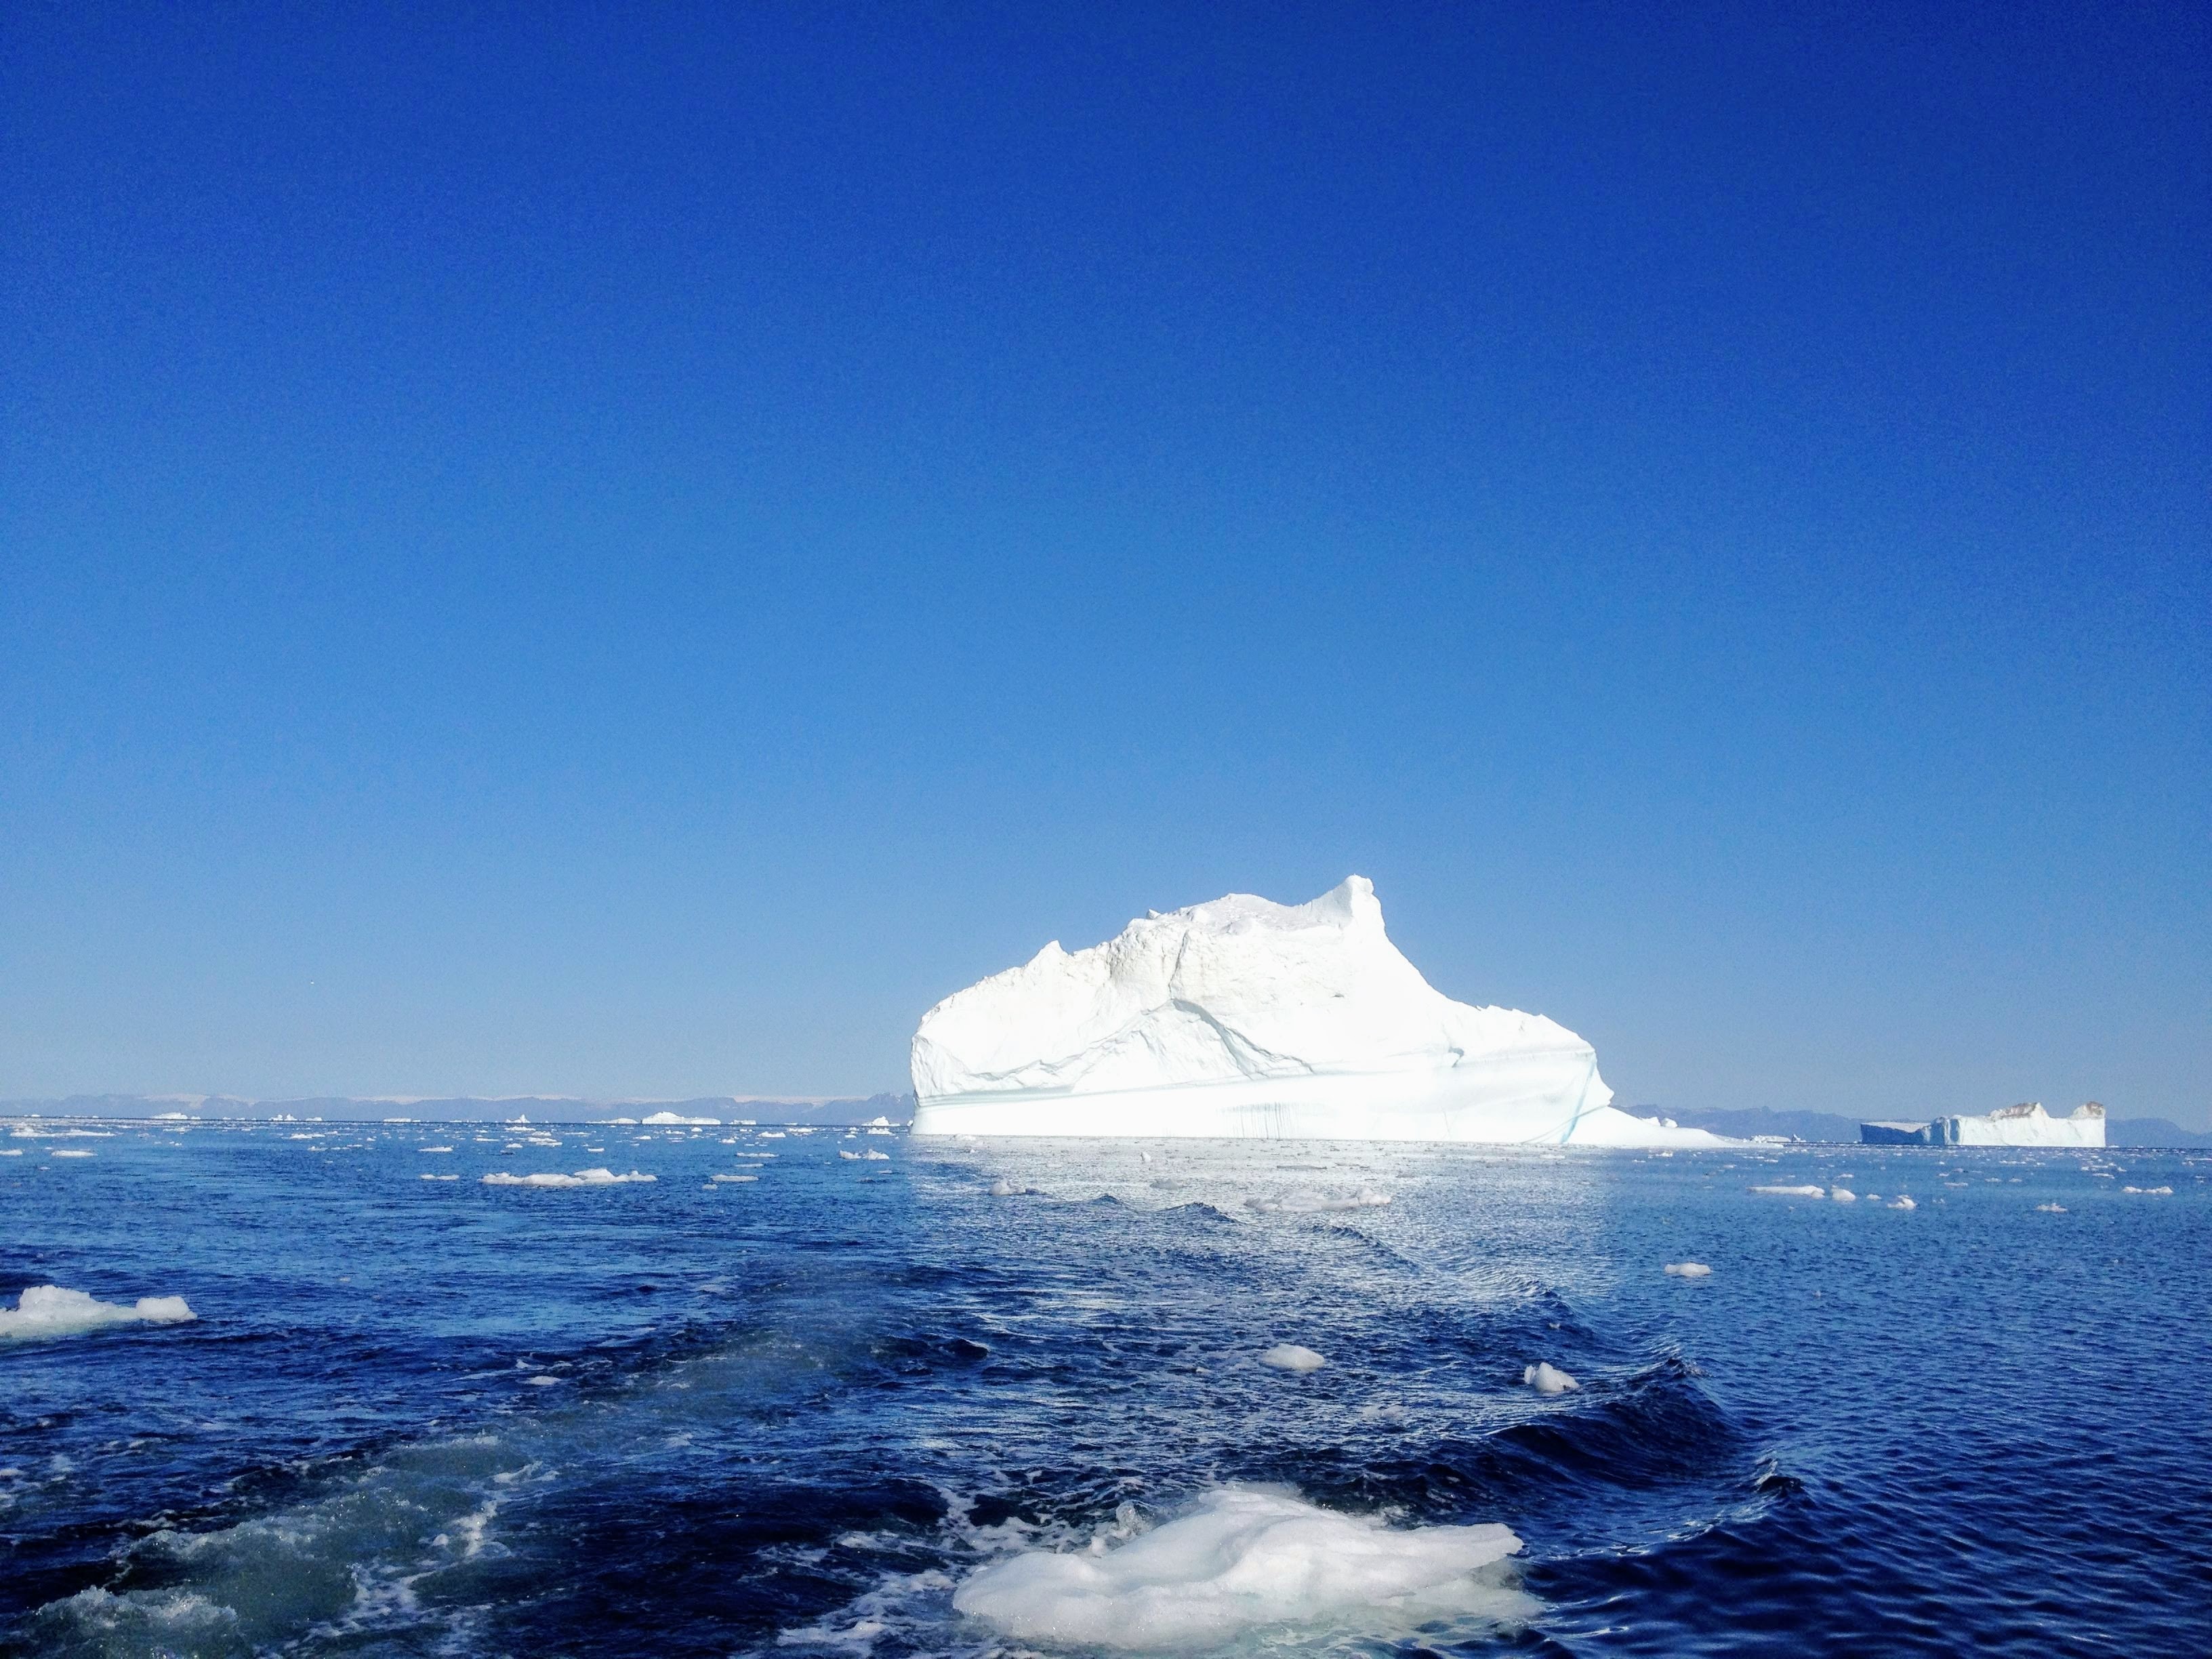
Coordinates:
[541,1380]
[581,1178]
[1794,1192]
[1904,1203]
[1546,1378]
[1689,1270]
[1290,1357]
[434,1149]
[664,1120]
[1243,1560]
[50,1311]
[63,1152]
[428,1177]
[727,1180]
[1003,1188]
[1843,1196]
[2051,1209]
[2150,1192]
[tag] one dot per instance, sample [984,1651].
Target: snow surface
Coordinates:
[1241,1560]
[1246,1017]
[50,1311]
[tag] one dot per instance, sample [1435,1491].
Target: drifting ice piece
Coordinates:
[1245,1017]
[2025,1125]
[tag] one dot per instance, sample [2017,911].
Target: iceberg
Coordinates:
[1243,1017]
[2025,1125]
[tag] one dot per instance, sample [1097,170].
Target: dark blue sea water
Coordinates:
[790,1415]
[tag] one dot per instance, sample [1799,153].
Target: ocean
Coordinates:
[869,1396]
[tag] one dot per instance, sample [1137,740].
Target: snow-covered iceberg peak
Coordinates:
[1243,1017]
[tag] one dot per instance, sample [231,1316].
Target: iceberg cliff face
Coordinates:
[1243,1017]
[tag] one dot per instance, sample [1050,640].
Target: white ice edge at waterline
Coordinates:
[1245,1559]
[50,1311]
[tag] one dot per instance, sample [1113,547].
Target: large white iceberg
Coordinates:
[2025,1125]
[1246,1017]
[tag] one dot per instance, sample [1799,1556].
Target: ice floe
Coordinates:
[1291,1357]
[1689,1270]
[1245,1560]
[1843,1196]
[1903,1203]
[1548,1378]
[1807,1191]
[50,1311]
[581,1178]
[676,1120]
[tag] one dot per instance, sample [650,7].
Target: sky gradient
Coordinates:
[625,551]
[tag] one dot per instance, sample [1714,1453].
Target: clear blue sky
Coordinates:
[629,550]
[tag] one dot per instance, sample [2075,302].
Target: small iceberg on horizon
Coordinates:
[2025,1125]
[581,1178]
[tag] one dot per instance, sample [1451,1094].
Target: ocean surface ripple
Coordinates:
[794,1414]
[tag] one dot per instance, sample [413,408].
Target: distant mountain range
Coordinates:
[1828,1126]
[473,1109]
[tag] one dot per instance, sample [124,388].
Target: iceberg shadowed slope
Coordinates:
[1245,1017]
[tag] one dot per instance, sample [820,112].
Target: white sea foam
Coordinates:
[581,1178]
[1689,1270]
[1290,1357]
[50,1311]
[1244,1560]
[1794,1192]
[1546,1378]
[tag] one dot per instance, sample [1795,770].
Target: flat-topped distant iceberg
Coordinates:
[2025,1125]
[1246,1017]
